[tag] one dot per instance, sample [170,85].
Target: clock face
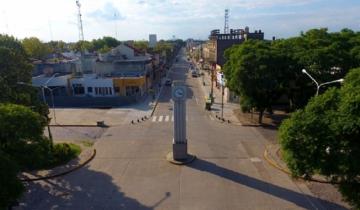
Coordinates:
[179,93]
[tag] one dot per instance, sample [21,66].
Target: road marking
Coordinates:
[154,119]
[197,102]
[167,118]
[255,160]
[172,118]
[160,118]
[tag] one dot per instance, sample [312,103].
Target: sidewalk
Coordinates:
[229,107]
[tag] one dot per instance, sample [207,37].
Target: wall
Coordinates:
[94,82]
[91,102]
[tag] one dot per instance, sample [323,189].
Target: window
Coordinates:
[97,91]
[90,89]
[110,91]
[117,89]
[132,90]
[78,89]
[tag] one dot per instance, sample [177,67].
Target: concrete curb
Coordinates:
[62,173]
[74,125]
[274,164]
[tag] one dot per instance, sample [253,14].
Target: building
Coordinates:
[213,52]
[130,69]
[152,40]
[218,42]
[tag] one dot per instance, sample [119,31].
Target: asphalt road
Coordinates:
[130,170]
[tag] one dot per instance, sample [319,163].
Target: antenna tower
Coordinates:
[226,24]
[81,31]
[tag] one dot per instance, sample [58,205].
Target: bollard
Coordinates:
[223,119]
[138,120]
[145,117]
[132,121]
[142,119]
[229,121]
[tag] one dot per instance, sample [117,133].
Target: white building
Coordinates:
[92,85]
[152,40]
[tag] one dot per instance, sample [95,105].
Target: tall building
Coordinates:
[218,42]
[152,40]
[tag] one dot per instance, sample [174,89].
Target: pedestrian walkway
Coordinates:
[229,107]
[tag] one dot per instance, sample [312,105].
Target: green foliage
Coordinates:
[141,45]
[35,48]
[324,137]
[19,123]
[10,42]
[253,72]
[103,44]
[15,68]
[63,153]
[326,56]
[10,186]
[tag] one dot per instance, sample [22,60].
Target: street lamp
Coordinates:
[322,84]
[43,87]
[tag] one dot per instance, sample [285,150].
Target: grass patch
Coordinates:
[63,153]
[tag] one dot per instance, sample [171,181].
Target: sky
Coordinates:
[136,19]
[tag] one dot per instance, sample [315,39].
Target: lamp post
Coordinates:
[322,84]
[48,127]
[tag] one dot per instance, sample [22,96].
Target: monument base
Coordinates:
[190,158]
[179,151]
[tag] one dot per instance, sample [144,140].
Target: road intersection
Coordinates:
[130,170]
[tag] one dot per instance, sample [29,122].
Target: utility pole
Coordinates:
[212,83]
[222,96]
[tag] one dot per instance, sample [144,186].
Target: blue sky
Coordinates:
[136,19]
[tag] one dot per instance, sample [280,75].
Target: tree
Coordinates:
[57,46]
[141,45]
[11,187]
[15,68]
[252,71]
[35,48]
[82,46]
[19,123]
[324,137]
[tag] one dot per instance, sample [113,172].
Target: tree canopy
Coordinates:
[35,48]
[254,71]
[326,56]
[324,137]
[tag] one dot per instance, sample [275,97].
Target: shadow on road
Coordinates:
[296,198]
[83,189]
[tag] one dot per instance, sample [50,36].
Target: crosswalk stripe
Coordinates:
[160,118]
[154,119]
[167,118]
